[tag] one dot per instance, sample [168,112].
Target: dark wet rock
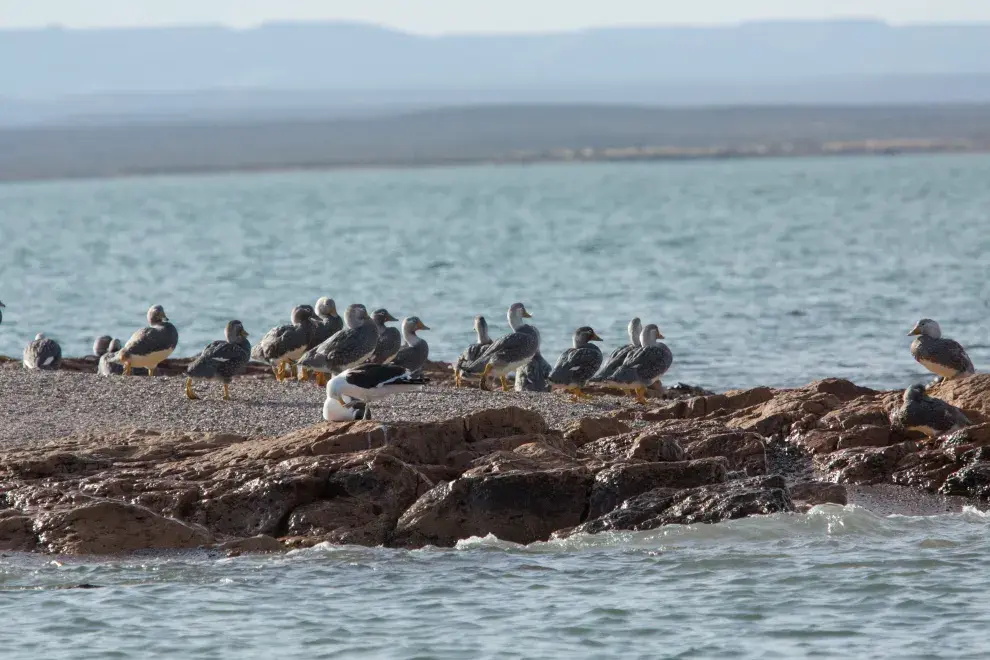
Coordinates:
[256,545]
[819,492]
[971,481]
[616,484]
[521,507]
[707,504]
[872,465]
[17,534]
[503,422]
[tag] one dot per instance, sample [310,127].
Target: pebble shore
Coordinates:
[37,407]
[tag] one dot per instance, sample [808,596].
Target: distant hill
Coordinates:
[530,133]
[335,67]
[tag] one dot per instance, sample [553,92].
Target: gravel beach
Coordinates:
[37,407]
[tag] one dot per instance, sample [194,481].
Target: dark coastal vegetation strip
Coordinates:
[490,134]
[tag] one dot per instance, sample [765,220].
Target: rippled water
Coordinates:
[758,272]
[838,582]
[764,272]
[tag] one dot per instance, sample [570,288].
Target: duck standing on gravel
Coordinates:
[221,359]
[534,376]
[619,355]
[108,364]
[509,352]
[474,351]
[326,323]
[43,353]
[920,412]
[415,352]
[577,364]
[942,356]
[148,347]
[645,365]
[389,338]
[370,382]
[285,344]
[348,348]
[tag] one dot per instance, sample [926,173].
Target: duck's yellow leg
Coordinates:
[484,376]
[321,378]
[189,390]
[641,395]
[151,372]
[457,379]
[505,384]
[127,368]
[280,372]
[226,392]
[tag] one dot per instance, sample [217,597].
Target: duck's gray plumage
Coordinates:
[415,352]
[158,337]
[43,353]
[534,375]
[326,321]
[102,345]
[920,412]
[109,365]
[512,350]
[940,355]
[619,355]
[350,347]
[577,364]
[2,306]
[223,359]
[286,339]
[389,338]
[645,365]
[475,350]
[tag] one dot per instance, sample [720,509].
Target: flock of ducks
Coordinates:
[359,358]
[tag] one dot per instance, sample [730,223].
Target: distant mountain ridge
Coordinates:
[355,57]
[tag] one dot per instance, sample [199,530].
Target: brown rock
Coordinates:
[521,507]
[971,394]
[655,448]
[107,528]
[590,429]
[616,484]
[259,506]
[864,436]
[776,416]
[866,410]
[502,423]
[816,441]
[17,534]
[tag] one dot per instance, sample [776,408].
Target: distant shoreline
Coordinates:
[657,154]
[489,135]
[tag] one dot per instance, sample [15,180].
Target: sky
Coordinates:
[443,16]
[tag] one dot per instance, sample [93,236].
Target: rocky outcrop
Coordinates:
[500,472]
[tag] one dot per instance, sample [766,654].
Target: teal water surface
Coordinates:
[771,272]
[839,582]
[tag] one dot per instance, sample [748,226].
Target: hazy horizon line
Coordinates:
[330,22]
